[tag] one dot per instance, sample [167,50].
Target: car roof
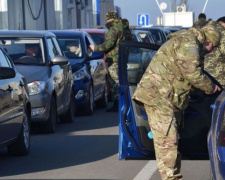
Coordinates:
[70,32]
[26,33]
[92,30]
[156,28]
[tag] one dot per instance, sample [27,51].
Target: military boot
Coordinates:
[114,108]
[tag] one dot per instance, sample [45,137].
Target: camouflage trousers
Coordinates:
[113,80]
[166,145]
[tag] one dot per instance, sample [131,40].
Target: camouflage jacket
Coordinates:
[214,62]
[199,23]
[111,45]
[172,71]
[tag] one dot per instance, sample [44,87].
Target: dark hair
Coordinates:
[222,19]
[201,15]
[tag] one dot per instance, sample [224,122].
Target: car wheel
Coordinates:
[102,103]
[50,126]
[22,146]
[70,113]
[90,107]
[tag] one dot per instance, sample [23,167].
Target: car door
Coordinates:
[11,102]
[133,122]
[67,72]
[98,71]
[58,77]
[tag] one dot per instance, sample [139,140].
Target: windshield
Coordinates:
[24,51]
[71,47]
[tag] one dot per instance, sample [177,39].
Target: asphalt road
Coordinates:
[87,149]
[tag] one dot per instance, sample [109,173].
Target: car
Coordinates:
[15,108]
[134,130]
[159,33]
[48,74]
[172,29]
[99,36]
[89,71]
[134,67]
[216,139]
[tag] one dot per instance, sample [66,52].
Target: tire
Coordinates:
[70,113]
[90,107]
[102,103]
[22,146]
[50,126]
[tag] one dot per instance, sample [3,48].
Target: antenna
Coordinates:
[206,2]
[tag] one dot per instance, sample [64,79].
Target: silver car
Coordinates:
[39,59]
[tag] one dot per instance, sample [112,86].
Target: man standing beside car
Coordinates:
[115,34]
[214,62]
[165,87]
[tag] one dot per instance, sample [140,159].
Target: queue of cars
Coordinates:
[38,84]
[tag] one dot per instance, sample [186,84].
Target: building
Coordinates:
[53,14]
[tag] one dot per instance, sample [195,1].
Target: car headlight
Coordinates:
[78,75]
[36,87]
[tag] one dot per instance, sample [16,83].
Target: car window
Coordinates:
[137,62]
[144,37]
[57,46]
[71,47]
[27,51]
[89,40]
[98,38]
[52,50]
[156,36]
[4,61]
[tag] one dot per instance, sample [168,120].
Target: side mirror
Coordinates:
[96,55]
[7,73]
[59,60]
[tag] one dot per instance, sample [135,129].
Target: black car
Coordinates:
[88,68]
[15,108]
[38,57]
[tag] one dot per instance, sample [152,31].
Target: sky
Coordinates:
[131,8]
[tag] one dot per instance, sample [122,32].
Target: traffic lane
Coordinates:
[85,149]
[191,169]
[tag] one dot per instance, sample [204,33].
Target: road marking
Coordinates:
[147,171]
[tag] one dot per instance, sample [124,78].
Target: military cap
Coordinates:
[111,15]
[221,19]
[211,34]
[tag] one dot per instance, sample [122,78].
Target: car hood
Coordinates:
[32,73]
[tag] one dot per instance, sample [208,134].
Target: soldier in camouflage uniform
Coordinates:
[214,62]
[164,89]
[201,21]
[115,34]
